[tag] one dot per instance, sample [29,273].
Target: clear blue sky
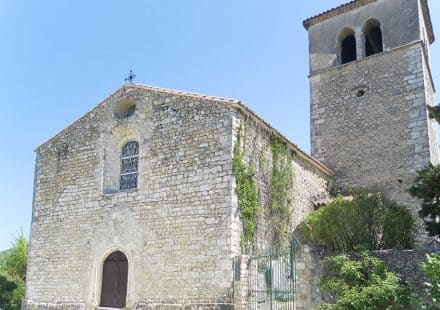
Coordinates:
[59,59]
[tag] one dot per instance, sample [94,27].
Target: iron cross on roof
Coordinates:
[130,77]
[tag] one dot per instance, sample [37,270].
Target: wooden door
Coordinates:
[114,281]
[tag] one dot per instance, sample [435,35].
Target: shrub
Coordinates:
[7,291]
[13,275]
[363,282]
[431,268]
[427,187]
[368,221]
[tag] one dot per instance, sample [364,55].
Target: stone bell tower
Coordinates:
[370,81]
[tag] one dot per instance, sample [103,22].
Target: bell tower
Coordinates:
[370,83]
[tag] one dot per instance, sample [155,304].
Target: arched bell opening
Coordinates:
[373,37]
[347,46]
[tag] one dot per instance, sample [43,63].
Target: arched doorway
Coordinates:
[114,280]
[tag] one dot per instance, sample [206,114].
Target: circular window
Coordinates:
[125,109]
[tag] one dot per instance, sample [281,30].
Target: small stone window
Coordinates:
[373,37]
[125,109]
[129,166]
[347,46]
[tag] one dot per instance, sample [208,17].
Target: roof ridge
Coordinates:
[180,92]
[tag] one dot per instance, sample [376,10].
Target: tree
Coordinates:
[427,187]
[431,268]
[13,275]
[363,282]
[367,221]
[7,288]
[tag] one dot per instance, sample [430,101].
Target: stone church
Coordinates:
[136,203]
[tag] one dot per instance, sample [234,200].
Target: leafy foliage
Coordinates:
[434,112]
[247,194]
[431,268]
[369,221]
[281,185]
[427,188]
[7,288]
[13,275]
[363,282]
[278,211]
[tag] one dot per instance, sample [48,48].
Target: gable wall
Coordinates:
[174,229]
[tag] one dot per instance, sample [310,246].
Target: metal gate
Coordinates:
[272,280]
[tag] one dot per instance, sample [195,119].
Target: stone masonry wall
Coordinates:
[309,184]
[308,271]
[405,263]
[174,229]
[180,229]
[309,188]
[378,140]
[430,100]
[399,22]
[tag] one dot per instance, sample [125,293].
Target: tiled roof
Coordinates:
[358,3]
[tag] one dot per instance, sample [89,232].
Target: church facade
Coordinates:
[136,203]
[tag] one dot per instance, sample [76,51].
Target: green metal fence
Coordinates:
[272,280]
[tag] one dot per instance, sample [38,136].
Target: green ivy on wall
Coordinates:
[278,210]
[280,190]
[247,194]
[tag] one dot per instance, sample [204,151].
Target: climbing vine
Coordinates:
[281,184]
[247,193]
[279,199]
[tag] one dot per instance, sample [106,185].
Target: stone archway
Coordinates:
[114,280]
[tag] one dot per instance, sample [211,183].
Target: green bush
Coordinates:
[13,275]
[427,188]
[431,268]
[7,290]
[369,221]
[363,283]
